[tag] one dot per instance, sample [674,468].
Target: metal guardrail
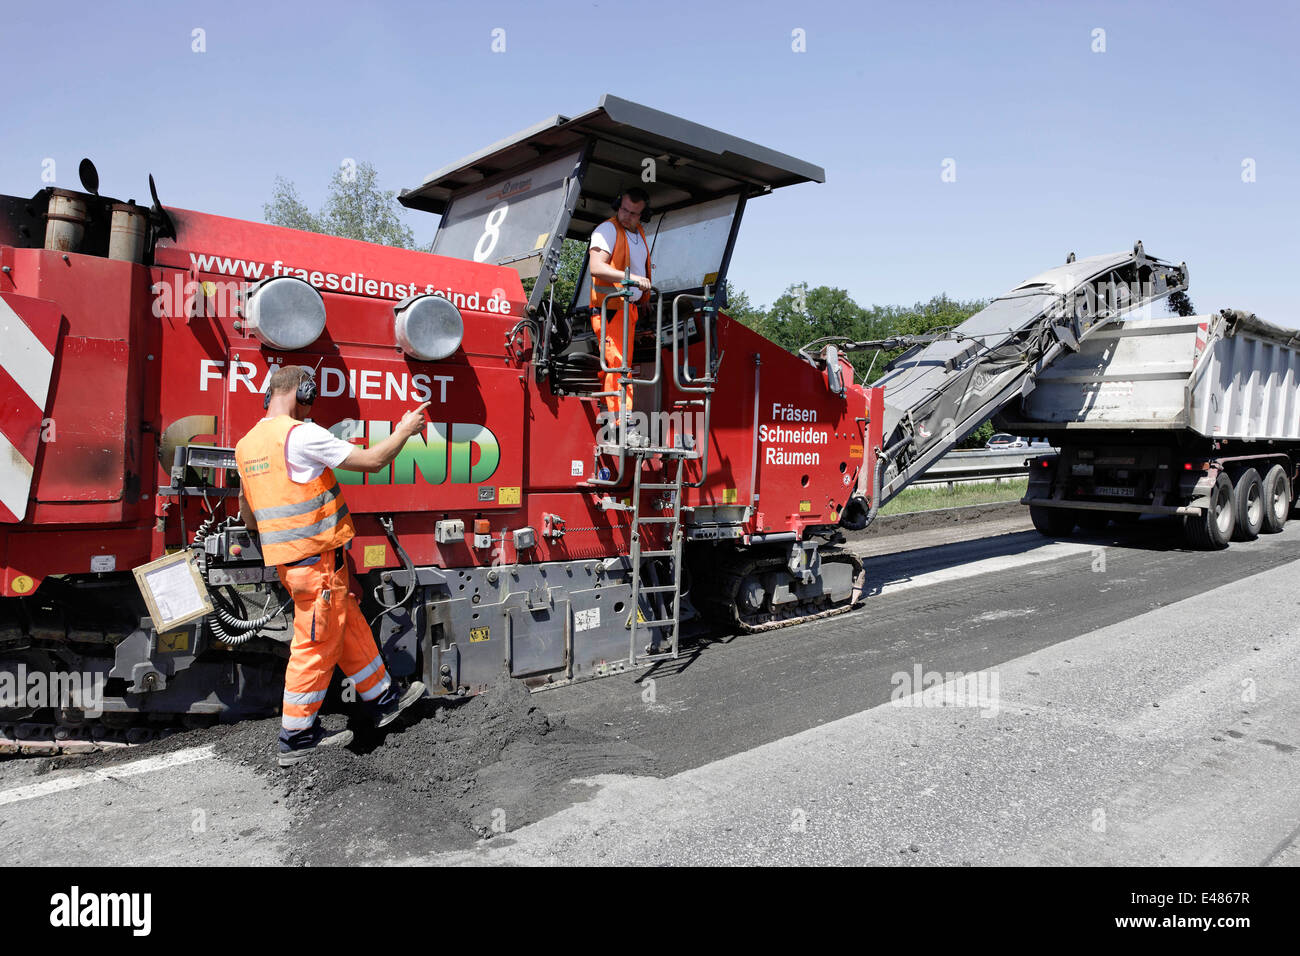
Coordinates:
[980,465]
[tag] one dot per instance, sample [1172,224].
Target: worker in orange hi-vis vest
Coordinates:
[619,244]
[290,497]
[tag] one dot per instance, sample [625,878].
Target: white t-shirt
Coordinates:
[311,449]
[604,238]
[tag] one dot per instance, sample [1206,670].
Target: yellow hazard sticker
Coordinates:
[805,506]
[477,635]
[855,451]
[508,496]
[729,496]
[375,556]
[174,641]
[21,584]
[640,616]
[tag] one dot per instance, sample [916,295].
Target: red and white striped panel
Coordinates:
[1202,336]
[29,335]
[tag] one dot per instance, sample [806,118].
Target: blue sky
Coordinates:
[1057,148]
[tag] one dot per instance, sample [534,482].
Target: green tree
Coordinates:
[741,309]
[356,208]
[800,315]
[572,252]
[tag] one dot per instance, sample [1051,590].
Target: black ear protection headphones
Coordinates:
[617,204]
[305,395]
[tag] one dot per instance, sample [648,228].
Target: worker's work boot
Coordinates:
[292,755]
[390,713]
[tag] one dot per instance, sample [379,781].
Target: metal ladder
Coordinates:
[672,522]
[687,384]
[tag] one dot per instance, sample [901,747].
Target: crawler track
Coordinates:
[724,606]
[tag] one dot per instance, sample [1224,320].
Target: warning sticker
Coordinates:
[375,556]
[729,496]
[477,635]
[22,584]
[586,620]
[508,496]
[855,451]
[805,506]
[173,641]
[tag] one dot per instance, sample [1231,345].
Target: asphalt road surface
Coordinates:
[1004,699]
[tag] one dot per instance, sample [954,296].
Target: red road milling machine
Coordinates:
[523,532]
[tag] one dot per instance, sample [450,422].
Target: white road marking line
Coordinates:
[1050,552]
[136,767]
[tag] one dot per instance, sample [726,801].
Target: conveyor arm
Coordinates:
[945,386]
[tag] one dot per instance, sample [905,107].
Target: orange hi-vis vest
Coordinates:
[618,259]
[294,520]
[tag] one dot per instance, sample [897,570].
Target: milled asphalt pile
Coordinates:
[444,775]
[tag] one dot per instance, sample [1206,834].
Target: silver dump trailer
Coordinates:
[1196,416]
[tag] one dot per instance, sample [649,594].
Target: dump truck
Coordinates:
[1190,416]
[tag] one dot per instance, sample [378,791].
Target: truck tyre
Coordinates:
[1248,502]
[1212,529]
[1277,499]
[1052,522]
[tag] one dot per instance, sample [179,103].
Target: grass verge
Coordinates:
[931,499]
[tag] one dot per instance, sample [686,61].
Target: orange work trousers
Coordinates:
[328,630]
[614,351]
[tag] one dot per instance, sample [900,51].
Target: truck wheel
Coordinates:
[1277,499]
[1248,502]
[1052,522]
[1212,529]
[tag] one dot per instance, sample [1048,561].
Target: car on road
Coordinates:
[1002,441]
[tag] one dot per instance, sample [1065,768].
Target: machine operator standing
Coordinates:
[619,244]
[292,499]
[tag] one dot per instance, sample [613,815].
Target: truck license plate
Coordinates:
[1115,492]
